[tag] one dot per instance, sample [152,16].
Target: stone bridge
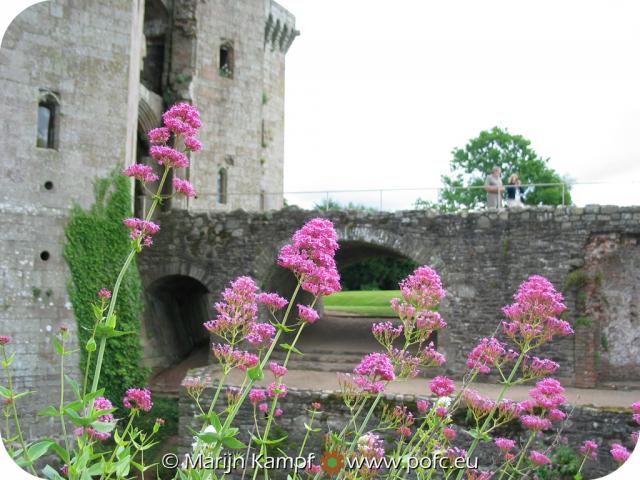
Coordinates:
[481,256]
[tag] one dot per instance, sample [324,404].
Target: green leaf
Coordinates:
[284,328]
[96,469]
[23,394]
[49,411]
[475,433]
[91,345]
[234,443]
[103,427]
[286,346]
[74,386]
[311,429]
[49,472]
[97,311]
[208,437]
[111,321]
[255,373]
[5,392]
[7,363]
[36,450]
[259,441]
[215,421]
[122,467]
[58,345]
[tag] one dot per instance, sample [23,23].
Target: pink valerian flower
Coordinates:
[536,423]
[485,355]
[406,364]
[104,294]
[144,173]
[504,444]
[184,187]
[385,333]
[276,389]
[138,398]
[423,288]
[233,358]
[454,452]
[404,431]
[449,433]
[307,314]
[182,119]
[263,407]
[277,370]
[237,312]
[556,415]
[442,386]
[589,449]
[100,403]
[548,393]
[257,395]
[539,458]
[479,405]
[169,157]
[635,407]
[376,366]
[316,405]
[233,395]
[405,311]
[473,474]
[533,318]
[527,406]
[508,410]
[430,357]
[442,411]
[310,257]
[367,385]
[428,322]
[260,334]
[159,136]
[313,468]
[422,405]
[399,416]
[192,144]
[619,453]
[371,446]
[64,470]
[277,412]
[634,437]
[141,230]
[272,301]
[196,385]
[5,339]
[533,367]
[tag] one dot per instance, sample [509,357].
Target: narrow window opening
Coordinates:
[47,121]
[226,60]
[222,186]
[263,203]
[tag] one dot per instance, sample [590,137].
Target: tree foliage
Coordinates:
[513,153]
[376,273]
[97,244]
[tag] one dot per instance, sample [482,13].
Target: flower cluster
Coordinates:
[534,367]
[486,354]
[589,449]
[371,446]
[277,369]
[385,333]
[237,313]
[196,385]
[423,288]
[183,187]
[307,314]
[310,257]
[141,230]
[99,404]
[257,395]
[272,301]
[372,371]
[260,334]
[234,358]
[182,119]
[141,172]
[138,398]
[533,317]
[442,386]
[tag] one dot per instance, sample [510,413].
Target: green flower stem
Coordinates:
[507,384]
[15,412]
[64,427]
[274,402]
[116,288]
[113,454]
[522,453]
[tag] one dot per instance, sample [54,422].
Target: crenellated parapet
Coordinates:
[279,31]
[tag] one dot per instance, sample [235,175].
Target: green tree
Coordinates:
[513,153]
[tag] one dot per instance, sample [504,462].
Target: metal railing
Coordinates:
[378,198]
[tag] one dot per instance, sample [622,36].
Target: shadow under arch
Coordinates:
[176,308]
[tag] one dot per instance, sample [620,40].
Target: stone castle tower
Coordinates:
[81,82]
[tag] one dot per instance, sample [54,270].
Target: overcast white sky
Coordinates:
[378,93]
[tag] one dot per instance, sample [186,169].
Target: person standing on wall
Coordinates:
[494,188]
[515,192]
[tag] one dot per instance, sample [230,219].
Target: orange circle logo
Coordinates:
[332,462]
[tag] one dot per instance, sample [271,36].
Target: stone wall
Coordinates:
[83,53]
[481,256]
[605,426]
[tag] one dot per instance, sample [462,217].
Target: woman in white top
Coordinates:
[514,192]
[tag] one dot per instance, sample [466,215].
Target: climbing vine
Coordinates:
[96,245]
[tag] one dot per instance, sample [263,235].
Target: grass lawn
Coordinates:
[368,303]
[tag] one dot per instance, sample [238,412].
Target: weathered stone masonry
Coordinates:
[481,256]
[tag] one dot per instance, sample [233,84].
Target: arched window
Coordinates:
[226,59]
[222,186]
[48,106]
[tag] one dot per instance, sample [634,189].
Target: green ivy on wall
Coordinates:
[97,244]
